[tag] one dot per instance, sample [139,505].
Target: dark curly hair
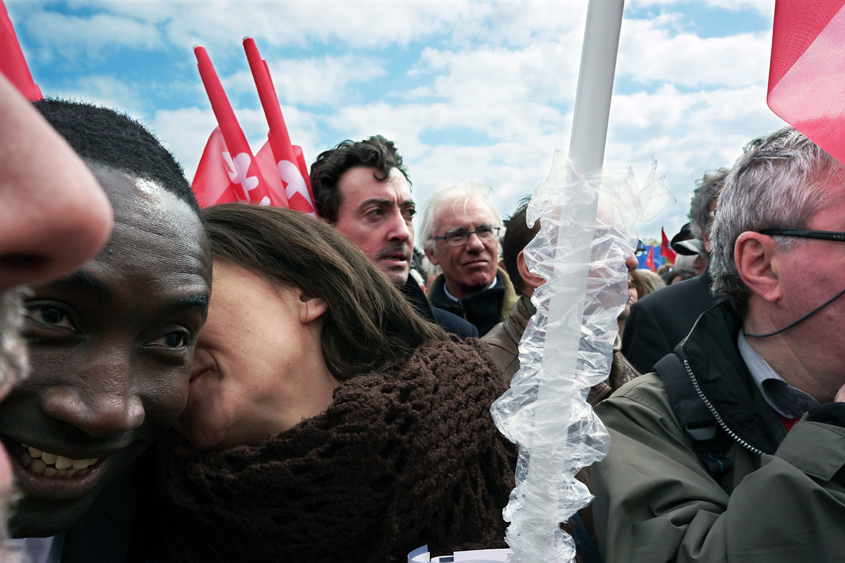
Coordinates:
[375,152]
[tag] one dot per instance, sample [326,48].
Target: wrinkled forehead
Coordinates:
[153,223]
[465,213]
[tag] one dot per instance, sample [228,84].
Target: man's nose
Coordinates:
[53,214]
[102,403]
[474,243]
[400,229]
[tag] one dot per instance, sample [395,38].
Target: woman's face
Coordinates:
[258,367]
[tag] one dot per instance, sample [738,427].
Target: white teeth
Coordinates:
[53,465]
[83,463]
[63,462]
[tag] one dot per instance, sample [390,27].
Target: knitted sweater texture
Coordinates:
[398,460]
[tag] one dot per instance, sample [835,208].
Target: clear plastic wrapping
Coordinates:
[587,231]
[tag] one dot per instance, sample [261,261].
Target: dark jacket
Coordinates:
[660,320]
[484,309]
[447,321]
[117,527]
[783,501]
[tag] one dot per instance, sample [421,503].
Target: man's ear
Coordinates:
[429,253]
[707,246]
[310,307]
[756,261]
[527,275]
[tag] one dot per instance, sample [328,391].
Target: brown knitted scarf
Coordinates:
[400,459]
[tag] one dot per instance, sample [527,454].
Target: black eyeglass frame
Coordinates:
[835,236]
[494,230]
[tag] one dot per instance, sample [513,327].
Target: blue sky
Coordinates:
[468,90]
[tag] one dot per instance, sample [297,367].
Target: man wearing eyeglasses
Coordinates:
[460,228]
[734,449]
[362,189]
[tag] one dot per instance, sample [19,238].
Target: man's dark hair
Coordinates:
[517,235]
[707,190]
[115,140]
[375,152]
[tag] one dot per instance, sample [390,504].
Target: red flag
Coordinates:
[212,183]
[12,62]
[665,249]
[649,260]
[806,88]
[297,185]
[215,179]
[251,186]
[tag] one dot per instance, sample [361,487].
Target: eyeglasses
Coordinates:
[460,237]
[805,233]
[641,249]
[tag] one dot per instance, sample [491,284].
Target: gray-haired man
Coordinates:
[709,460]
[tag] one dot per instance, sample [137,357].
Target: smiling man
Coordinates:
[363,190]
[38,242]
[110,344]
[461,227]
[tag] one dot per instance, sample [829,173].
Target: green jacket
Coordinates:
[656,502]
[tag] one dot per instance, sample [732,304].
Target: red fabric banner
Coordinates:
[649,260]
[806,80]
[296,182]
[12,62]
[245,173]
[666,249]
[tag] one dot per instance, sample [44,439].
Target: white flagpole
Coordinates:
[595,84]
[547,483]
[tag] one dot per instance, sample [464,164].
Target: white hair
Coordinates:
[780,182]
[461,192]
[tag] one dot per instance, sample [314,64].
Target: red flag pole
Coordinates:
[12,62]
[279,137]
[251,182]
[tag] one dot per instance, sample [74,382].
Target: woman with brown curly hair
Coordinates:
[326,420]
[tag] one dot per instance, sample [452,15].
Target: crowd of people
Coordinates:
[247,383]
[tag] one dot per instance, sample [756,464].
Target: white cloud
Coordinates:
[765,7]
[185,131]
[73,36]
[313,81]
[357,24]
[488,98]
[105,90]
[650,52]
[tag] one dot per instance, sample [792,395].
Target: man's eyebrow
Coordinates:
[196,301]
[85,280]
[374,201]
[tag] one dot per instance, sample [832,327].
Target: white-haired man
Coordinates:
[461,227]
[733,450]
